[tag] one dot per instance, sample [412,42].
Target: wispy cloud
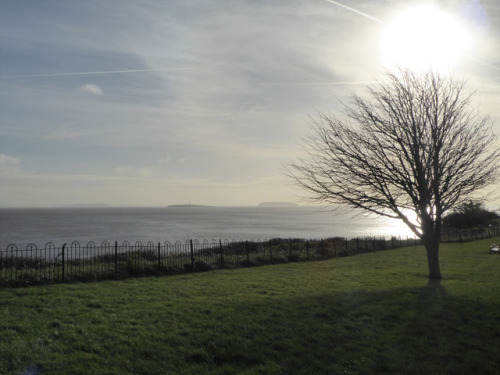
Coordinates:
[91,89]
[9,163]
[201,100]
[65,132]
[8,160]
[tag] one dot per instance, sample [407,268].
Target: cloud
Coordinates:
[164,161]
[201,92]
[8,160]
[91,89]
[65,132]
[9,164]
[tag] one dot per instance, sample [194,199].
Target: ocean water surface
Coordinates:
[65,225]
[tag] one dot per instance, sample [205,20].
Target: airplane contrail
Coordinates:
[334,83]
[94,73]
[340,83]
[358,12]
[482,62]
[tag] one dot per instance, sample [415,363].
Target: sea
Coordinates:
[159,224]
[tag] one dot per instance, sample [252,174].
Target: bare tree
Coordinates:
[416,145]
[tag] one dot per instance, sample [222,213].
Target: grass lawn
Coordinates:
[373,313]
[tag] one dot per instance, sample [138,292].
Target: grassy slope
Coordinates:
[367,314]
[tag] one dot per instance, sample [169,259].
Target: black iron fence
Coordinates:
[472,234]
[74,262]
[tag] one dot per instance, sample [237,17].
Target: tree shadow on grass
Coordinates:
[421,330]
[410,331]
[446,335]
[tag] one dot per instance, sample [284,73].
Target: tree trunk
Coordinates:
[432,248]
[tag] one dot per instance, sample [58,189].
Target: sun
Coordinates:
[423,37]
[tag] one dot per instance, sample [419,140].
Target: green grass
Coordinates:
[372,313]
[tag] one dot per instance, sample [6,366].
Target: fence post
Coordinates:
[248,251]
[221,254]
[357,244]
[307,249]
[159,255]
[116,258]
[62,254]
[192,254]
[290,246]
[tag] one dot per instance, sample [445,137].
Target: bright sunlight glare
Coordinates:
[423,37]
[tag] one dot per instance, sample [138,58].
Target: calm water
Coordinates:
[39,226]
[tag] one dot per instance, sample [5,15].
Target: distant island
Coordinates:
[186,205]
[278,204]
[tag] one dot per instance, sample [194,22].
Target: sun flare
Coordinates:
[423,37]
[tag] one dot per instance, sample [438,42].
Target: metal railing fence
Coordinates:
[74,262]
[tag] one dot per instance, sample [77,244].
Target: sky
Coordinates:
[152,103]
